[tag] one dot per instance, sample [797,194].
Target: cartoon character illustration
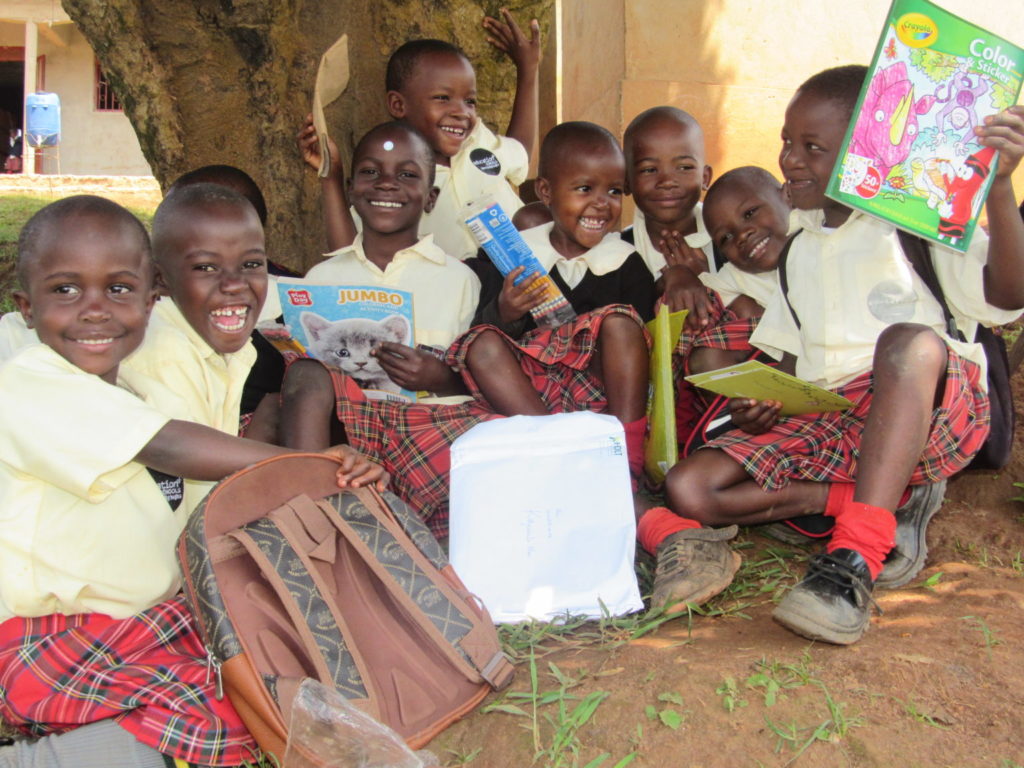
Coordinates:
[890,48]
[887,125]
[959,100]
[962,186]
[928,179]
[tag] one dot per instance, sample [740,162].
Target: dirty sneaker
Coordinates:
[833,602]
[907,557]
[694,565]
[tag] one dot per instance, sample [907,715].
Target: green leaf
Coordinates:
[671,697]
[651,711]
[671,718]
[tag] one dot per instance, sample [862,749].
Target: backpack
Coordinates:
[998,446]
[291,577]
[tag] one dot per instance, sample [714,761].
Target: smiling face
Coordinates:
[89,291]
[214,268]
[583,188]
[811,136]
[748,222]
[438,100]
[666,172]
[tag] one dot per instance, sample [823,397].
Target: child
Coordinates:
[858,319]
[599,360]
[212,269]
[431,86]
[747,219]
[91,629]
[666,173]
[391,186]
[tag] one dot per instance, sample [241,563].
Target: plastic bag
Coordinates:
[328,732]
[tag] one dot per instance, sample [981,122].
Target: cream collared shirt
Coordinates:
[14,335]
[848,284]
[730,283]
[605,257]
[444,291]
[654,259]
[83,527]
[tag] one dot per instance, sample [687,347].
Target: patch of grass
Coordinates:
[911,708]
[773,678]
[987,632]
[462,758]
[833,728]
[730,693]
[666,715]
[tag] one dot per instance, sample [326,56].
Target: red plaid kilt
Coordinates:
[717,312]
[823,447]
[556,361]
[147,671]
[412,441]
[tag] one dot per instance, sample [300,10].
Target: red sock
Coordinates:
[659,523]
[869,530]
[635,432]
[839,495]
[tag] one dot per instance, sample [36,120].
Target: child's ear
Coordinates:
[707,178]
[159,284]
[21,301]
[396,104]
[543,189]
[431,199]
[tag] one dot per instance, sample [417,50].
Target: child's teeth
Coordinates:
[239,313]
[95,342]
[592,223]
[385,204]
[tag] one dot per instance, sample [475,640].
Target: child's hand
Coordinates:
[755,417]
[1004,132]
[412,368]
[309,146]
[508,37]
[684,290]
[357,471]
[514,301]
[677,251]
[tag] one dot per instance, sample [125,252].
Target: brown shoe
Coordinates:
[693,566]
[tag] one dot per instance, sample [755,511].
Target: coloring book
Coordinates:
[910,155]
[341,325]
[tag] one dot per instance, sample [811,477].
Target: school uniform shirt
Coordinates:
[849,283]
[444,291]
[730,283]
[83,527]
[611,272]
[654,259]
[486,164]
[14,335]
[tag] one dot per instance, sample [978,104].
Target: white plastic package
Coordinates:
[542,520]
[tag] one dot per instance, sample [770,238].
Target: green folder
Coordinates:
[762,382]
[662,448]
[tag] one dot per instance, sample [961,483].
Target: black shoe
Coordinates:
[799,530]
[907,557]
[833,602]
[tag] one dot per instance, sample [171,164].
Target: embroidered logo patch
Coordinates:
[891,302]
[486,161]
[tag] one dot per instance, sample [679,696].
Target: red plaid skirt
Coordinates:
[147,671]
[556,361]
[412,441]
[824,447]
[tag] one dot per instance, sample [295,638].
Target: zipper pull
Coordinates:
[213,668]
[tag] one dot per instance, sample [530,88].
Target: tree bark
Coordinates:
[229,81]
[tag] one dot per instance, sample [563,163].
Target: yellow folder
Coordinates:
[758,381]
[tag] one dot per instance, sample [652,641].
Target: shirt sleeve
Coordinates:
[962,276]
[69,427]
[776,331]
[515,161]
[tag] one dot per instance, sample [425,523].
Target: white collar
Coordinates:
[605,257]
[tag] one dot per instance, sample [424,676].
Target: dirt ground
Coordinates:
[938,681]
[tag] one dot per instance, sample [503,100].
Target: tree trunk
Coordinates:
[229,81]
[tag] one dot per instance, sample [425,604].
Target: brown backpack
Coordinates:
[292,577]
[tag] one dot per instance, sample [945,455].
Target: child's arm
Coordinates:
[1004,271]
[508,37]
[338,223]
[680,285]
[417,370]
[190,450]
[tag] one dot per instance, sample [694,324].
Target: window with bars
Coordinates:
[106,100]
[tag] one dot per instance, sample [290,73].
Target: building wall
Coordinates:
[734,64]
[92,142]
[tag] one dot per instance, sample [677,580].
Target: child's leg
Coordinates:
[309,419]
[103,744]
[713,488]
[704,359]
[832,602]
[621,361]
[501,380]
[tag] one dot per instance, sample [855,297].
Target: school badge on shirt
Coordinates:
[173,488]
[486,161]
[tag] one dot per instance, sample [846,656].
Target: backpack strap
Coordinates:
[783,279]
[919,255]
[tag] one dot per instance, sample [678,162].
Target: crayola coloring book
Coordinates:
[910,155]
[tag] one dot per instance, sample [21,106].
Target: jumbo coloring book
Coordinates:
[910,155]
[341,325]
